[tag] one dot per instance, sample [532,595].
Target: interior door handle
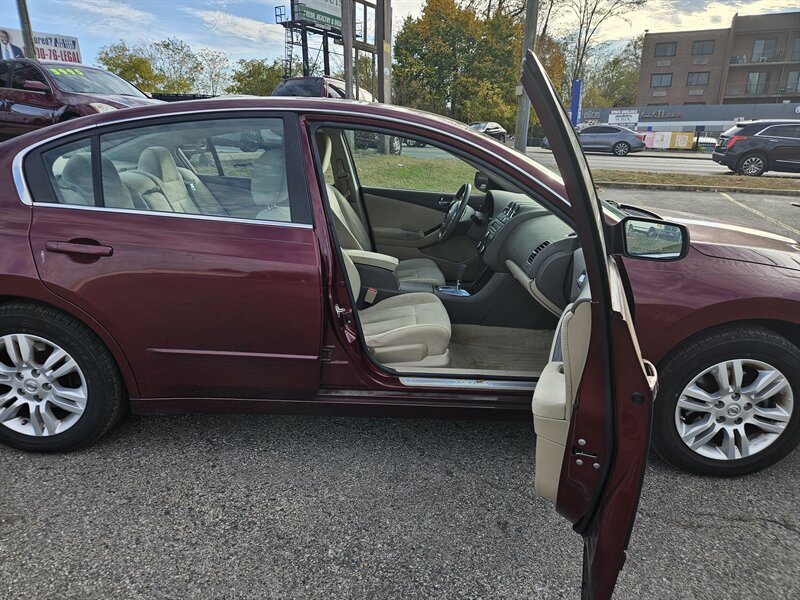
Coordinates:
[79,248]
[445,201]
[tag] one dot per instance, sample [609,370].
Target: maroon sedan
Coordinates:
[34,94]
[245,254]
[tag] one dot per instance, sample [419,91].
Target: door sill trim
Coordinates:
[461,383]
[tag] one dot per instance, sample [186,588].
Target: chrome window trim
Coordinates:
[483,384]
[133,211]
[782,137]
[24,192]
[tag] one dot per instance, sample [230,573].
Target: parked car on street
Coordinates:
[618,140]
[240,254]
[491,129]
[754,147]
[35,94]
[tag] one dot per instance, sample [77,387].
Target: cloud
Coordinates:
[225,23]
[116,14]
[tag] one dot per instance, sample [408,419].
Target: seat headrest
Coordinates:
[115,193]
[77,173]
[158,161]
[268,184]
[325,148]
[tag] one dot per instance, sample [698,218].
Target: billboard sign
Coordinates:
[624,116]
[325,14]
[49,46]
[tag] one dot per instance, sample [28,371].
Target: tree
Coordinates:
[130,63]
[590,15]
[255,77]
[176,61]
[216,75]
[614,80]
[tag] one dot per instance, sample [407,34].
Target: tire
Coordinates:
[754,349]
[752,165]
[621,148]
[91,387]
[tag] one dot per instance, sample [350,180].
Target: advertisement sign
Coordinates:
[49,46]
[625,117]
[326,14]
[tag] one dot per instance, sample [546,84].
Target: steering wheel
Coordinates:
[455,212]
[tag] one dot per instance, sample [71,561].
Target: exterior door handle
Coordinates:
[79,248]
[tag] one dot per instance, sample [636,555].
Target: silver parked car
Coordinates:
[608,138]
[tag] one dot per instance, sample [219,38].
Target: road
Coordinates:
[242,506]
[645,163]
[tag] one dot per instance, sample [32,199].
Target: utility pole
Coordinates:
[27,33]
[383,41]
[347,46]
[523,102]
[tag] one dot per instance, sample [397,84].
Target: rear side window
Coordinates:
[788,131]
[300,87]
[235,168]
[24,72]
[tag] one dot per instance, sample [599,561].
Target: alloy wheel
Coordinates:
[621,148]
[43,391]
[753,165]
[734,409]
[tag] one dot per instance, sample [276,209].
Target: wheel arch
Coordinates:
[131,387]
[786,329]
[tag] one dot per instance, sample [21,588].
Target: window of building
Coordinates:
[793,82]
[666,48]
[694,103]
[657,104]
[757,82]
[703,47]
[661,80]
[698,78]
[796,49]
[764,50]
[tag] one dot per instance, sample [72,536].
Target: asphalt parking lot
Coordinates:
[233,506]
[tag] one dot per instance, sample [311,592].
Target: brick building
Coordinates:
[755,60]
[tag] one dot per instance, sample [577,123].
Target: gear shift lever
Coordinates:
[462,271]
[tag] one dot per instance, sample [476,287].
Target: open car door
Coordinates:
[592,404]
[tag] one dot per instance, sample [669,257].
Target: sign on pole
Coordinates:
[326,14]
[49,46]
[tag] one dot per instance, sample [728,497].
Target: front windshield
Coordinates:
[79,79]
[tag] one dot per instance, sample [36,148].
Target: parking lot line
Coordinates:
[762,215]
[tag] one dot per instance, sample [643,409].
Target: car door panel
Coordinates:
[208,308]
[604,453]
[405,224]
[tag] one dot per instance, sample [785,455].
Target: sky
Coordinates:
[247,29]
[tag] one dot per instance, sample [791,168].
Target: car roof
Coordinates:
[767,122]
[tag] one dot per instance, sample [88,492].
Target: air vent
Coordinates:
[509,212]
[538,249]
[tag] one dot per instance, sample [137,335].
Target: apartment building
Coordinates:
[755,60]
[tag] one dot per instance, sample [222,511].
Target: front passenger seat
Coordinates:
[353,235]
[405,331]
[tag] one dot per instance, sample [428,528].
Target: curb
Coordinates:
[630,185]
[699,156]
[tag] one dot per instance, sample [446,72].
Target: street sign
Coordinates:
[49,46]
[326,14]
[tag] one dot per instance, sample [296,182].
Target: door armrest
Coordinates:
[373,259]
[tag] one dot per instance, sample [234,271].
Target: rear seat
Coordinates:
[75,184]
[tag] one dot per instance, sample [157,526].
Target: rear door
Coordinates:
[783,143]
[204,306]
[593,456]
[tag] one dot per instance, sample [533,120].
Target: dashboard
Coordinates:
[543,253]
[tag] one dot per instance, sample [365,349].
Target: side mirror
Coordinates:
[481,181]
[35,86]
[653,239]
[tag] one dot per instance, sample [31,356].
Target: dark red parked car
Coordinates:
[35,94]
[244,254]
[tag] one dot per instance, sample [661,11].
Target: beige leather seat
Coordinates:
[76,185]
[354,236]
[185,195]
[269,187]
[405,331]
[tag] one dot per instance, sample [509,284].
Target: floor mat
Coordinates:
[499,348]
